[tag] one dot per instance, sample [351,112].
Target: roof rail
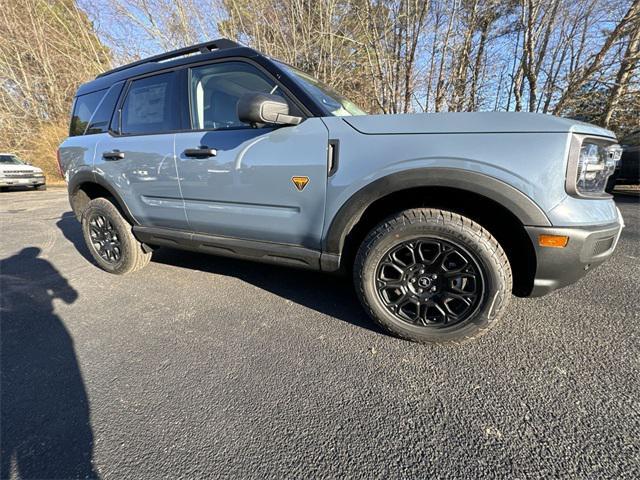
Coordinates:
[206,47]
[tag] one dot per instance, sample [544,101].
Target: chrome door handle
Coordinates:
[200,152]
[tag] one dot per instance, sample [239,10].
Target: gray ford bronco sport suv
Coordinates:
[440,217]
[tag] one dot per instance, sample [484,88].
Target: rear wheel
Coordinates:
[433,276]
[110,240]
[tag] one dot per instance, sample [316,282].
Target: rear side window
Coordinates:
[83,109]
[102,116]
[150,106]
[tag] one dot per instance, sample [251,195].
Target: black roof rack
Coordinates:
[206,47]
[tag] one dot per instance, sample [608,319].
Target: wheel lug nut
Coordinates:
[413,280]
[434,276]
[433,289]
[422,271]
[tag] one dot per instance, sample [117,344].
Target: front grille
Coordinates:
[20,175]
[19,172]
[603,245]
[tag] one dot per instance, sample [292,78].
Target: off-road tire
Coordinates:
[449,227]
[132,256]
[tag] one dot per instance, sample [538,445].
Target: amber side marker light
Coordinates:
[554,241]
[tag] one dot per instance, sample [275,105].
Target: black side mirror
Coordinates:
[261,108]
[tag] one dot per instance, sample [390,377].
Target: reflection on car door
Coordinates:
[139,159]
[239,183]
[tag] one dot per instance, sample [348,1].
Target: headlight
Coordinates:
[591,162]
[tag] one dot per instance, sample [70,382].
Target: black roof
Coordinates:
[208,50]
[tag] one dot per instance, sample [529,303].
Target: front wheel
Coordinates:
[432,276]
[110,240]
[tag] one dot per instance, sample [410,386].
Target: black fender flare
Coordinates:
[87,176]
[523,207]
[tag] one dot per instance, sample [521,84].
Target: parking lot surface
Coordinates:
[203,366]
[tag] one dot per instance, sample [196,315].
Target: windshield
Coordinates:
[335,103]
[10,160]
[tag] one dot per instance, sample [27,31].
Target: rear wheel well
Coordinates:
[498,220]
[87,191]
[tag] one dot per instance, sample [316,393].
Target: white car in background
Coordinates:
[16,173]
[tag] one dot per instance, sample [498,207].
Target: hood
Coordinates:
[23,168]
[475,122]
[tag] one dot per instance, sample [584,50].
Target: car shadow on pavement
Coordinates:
[72,231]
[329,294]
[333,295]
[45,429]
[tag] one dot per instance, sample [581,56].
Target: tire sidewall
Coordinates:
[101,206]
[496,287]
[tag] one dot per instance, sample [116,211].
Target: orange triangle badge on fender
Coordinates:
[300,182]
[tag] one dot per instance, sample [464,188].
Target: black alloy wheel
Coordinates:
[105,239]
[430,282]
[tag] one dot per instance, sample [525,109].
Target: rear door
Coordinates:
[241,184]
[77,151]
[137,156]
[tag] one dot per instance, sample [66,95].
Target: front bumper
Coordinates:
[22,181]
[588,247]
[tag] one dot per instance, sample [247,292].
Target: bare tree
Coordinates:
[629,64]
[581,75]
[578,58]
[46,50]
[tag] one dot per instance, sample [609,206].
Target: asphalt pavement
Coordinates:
[206,367]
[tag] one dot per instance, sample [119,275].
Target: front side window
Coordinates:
[150,106]
[215,90]
[10,160]
[83,109]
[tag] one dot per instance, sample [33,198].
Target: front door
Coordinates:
[265,184]
[138,159]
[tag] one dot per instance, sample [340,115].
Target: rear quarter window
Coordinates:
[102,116]
[83,109]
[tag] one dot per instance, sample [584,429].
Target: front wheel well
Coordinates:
[497,219]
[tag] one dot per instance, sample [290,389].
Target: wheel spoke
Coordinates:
[466,298]
[404,257]
[453,262]
[390,270]
[434,314]
[409,309]
[404,297]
